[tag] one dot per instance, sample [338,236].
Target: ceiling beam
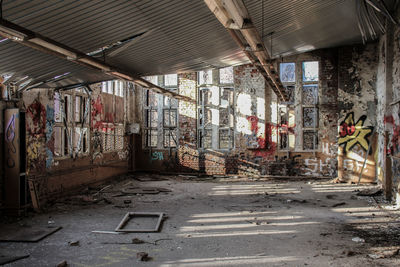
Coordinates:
[39,42]
[237,21]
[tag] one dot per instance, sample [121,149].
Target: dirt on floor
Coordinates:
[215,222]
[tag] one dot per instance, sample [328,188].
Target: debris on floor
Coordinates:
[370,192]
[132,215]
[74,243]
[143,256]
[108,232]
[27,234]
[338,204]
[4,259]
[358,239]
[62,264]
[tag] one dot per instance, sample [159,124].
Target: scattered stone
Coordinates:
[137,241]
[338,204]
[370,192]
[62,264]
[375,256]
[74,243]
[350,253]
[325,234]
[358,239]
[143,256]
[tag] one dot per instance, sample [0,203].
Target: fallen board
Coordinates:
[4,259]
[27,234]
[131,215]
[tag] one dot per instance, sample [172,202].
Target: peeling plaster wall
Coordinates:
[54,175]
[255,149]
[358,68]
[322,161]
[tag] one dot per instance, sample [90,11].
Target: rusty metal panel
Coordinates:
[12,156]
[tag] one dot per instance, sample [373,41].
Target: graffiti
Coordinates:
[36,122]
[97,111]
[394,146]
[157,156]
[315,166]
[352,133]
[10,137]
[49,136]
[36,154]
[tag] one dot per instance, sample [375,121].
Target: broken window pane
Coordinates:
[169,138]
[291,92]
[151,118]
[310,140]
[152,79]
[67,140]
[205,77]
[310,117]
[223,117]
[170,102]
[104,87]
[226,97]
[170,117]
[78,108]
[310,71]
[171,80]
[151,138]
[68,107]
[58,149]
[57,107]
[207,138]
[288,72]
[207,116]
[77,141]
[225,139]
[310,94]
[226,75]
[85,140]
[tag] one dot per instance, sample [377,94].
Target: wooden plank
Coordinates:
[34,195]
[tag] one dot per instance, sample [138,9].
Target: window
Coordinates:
[226,75]
[309,104]
[306,84]
[115,87]
[171,80]
[71,130]
[161,114]
[286,110]
[215,110]
[205,77]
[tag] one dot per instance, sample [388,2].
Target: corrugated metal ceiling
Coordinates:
[304,25]
[181,35]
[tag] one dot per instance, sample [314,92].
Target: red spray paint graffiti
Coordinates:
[265,146]
[36,123]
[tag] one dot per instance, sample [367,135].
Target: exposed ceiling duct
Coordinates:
[36,41]
[235,17]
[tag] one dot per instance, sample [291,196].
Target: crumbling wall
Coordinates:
[54,174]
[357,112]
[255,149]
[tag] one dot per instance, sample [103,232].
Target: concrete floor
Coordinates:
[220,223]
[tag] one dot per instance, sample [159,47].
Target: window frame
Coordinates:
[202,107]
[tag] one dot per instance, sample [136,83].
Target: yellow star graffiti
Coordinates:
[352,134]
